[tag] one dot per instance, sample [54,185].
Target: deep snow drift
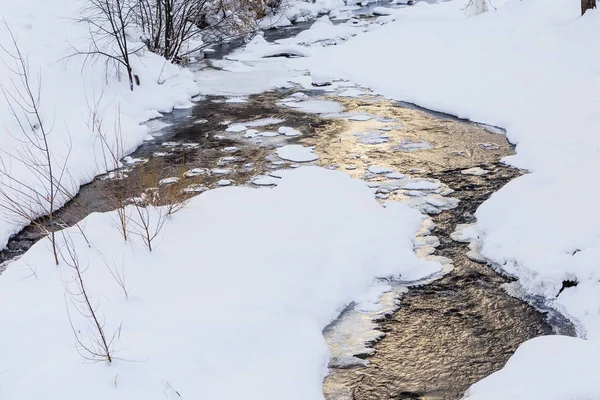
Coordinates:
[230,304]
[46,31]
[531,68]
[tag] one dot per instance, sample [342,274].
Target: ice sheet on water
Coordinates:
[352,92]
[195,188]
[413,145]
[287,131]
[297,153]
[265,180]
[476,171]
[371,137]
[236,128]
[420,184]
[169,181]
[220,171]
[316,106]
[375,169]
[195,172]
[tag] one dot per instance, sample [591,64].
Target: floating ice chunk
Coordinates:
[420,184]
[350,167]
[262,122]
[268,134]
[224,182]
[297,153]
[134,161]
[385,128]
[414,193]
[360,117]
[477,171]
[410,145]
[382,196]
[220,171]
[371,137]
[265,181]
[195,188]
[160,154]
[316,106]
[168,181]
[287,131]
[195,172]
[489,146]
[251,133]
[201,121]
[171,144]
[374,169]
[236,128]
[395,175]
[230,149]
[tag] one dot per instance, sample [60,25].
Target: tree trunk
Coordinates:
[587,5]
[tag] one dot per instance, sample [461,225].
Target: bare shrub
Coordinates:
[109,22]
[34,201]
[92,343]
[175,29]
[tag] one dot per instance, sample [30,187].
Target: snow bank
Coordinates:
[45,32]
[528,67]
[230,304]
[543,368]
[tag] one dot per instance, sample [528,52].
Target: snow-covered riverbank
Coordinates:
[531,68]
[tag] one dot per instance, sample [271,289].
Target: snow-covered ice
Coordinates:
[296,153]
[287,131]
[316,106]
[375,169]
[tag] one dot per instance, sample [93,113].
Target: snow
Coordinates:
[45,32]
[516,68]
[210,294]
[549,368]
[296,153]
[383,11]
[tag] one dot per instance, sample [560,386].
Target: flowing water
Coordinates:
[430,339]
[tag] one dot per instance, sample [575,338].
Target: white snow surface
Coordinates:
[45,32]
[211,313]
[516,67]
